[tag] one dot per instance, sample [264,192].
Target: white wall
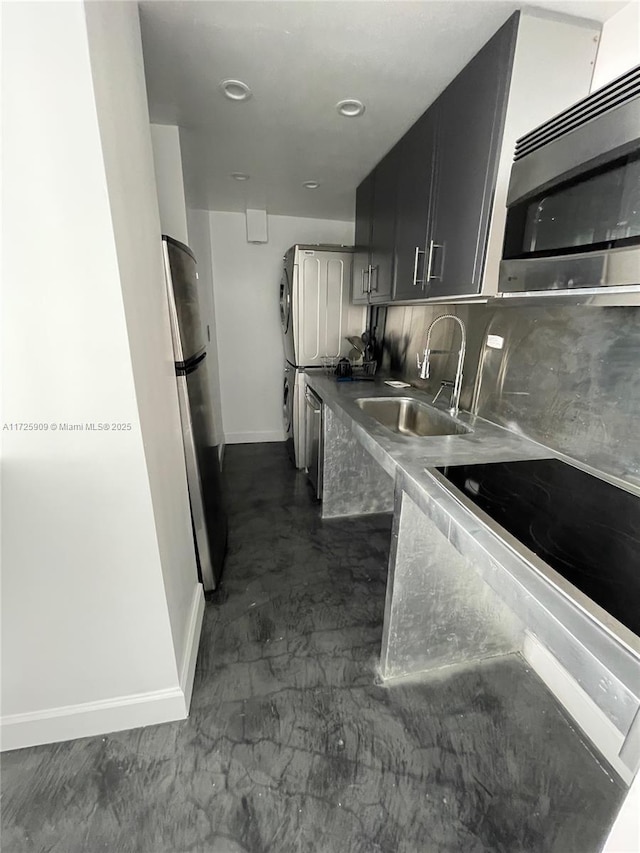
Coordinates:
[86,637]
[538,91]
[246,280]
[167,157]
[200,242]
[123,116]
[619,48]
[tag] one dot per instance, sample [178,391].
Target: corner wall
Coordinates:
[191,227]
[167,160]
[200,242]
[123,117]
[87,641]
[246,280]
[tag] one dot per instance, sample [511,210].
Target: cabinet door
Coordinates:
[415,173]
[471,115]
[362,254]
[383,229]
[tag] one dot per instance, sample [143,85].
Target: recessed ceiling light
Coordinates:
[236,90]
[239,176]
[350,108]
[311,185]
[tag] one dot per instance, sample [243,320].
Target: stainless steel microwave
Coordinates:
[573,206]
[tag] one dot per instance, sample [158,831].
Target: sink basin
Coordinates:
[407,416]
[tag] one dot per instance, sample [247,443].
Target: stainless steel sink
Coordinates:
[407,416]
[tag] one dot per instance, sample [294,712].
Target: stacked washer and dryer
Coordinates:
[317,317]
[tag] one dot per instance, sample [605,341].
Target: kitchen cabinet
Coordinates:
[383,229]
[416,152]
[362,254]
[470,122]
[437,232]
[375,233]
[429,209]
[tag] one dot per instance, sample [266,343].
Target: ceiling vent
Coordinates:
[257,226]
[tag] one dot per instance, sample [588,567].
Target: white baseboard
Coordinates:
[253,437]
[92,718]
[88,719]
[597,727]
[191,644]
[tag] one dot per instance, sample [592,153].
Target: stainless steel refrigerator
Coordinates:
[188,331]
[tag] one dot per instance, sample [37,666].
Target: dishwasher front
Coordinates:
[315,448]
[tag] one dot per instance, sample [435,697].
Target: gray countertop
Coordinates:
[485,443]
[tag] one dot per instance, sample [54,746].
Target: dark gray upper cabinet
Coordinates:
[373,262]
[416,152]
[427,206]
[470,124]
[362,254]
[383,229]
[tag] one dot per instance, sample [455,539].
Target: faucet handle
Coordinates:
[445,383]
[423,366]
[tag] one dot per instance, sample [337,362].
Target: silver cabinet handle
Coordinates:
[427,278]
[441,247]
[433,245]
[371,270]
[364,289]
[419,252]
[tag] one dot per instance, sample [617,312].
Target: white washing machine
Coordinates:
[317,317]
[294,413]
[288,391]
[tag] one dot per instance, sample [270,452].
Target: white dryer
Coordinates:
[317,317]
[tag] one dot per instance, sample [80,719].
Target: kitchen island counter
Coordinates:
[462,589]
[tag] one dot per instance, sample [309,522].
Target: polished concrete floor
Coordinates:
[293,745]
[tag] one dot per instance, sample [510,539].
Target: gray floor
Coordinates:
[293,746]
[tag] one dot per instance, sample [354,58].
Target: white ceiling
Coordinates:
[300,57]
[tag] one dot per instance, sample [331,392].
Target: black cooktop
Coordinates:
[586,529]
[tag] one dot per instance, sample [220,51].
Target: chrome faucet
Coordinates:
[424,366]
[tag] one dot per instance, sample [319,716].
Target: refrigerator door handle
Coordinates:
[184,368]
